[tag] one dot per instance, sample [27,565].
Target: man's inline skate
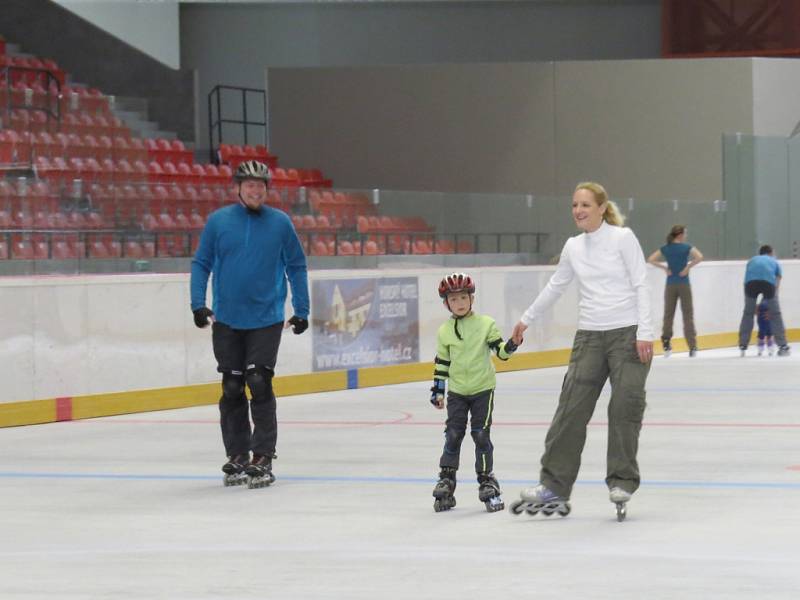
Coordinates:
[259,471]
[540,499]
[666,343]
[234,470]
[619,497]
[489,492]
[443,492]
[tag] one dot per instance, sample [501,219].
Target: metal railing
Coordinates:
[52,107]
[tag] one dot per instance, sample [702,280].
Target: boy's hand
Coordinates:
[437,393]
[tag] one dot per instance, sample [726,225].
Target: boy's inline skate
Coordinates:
[540,499]
[234,470]
[619,497]
[259,471]
[443,492]
[489,492]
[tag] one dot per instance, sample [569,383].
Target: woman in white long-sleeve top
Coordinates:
[614,340]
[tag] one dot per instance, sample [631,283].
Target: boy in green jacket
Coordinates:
[463,355]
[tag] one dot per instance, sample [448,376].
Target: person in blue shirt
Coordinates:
[251,249]
[677,258]
[762,277]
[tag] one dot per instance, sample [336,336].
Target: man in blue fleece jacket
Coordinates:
[252,250]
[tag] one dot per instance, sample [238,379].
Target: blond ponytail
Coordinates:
[612,214]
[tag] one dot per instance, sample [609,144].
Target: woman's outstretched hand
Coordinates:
[519,329]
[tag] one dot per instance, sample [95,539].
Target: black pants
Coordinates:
[752,289]
[480,406]
[247,356]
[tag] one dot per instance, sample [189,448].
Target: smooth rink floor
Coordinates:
[134,506]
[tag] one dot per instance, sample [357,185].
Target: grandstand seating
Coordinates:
[98,191]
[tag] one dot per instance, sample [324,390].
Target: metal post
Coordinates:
[219,117]
[244,114]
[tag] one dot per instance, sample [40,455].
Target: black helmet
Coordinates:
[252,169]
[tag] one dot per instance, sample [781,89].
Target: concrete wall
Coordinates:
[232,43]
[72,336]
[776,96]
[151,27]
[649,129]
[475,128]
[646,129]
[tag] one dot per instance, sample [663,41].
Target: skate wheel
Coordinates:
[621,512]
[565,511]
[441,505]
[547,512]
[516,507]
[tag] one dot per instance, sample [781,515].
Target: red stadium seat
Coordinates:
[133,249]
[22,250]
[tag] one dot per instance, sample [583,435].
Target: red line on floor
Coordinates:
[406,421]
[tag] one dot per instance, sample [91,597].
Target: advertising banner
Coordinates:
[364,322]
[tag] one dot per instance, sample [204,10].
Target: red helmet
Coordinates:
[456,282]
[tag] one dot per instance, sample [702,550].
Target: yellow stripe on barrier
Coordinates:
[28,412]
[119,403]
[375,376]
[101,405]
[328,381]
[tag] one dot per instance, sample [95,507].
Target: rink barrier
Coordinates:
[54,410]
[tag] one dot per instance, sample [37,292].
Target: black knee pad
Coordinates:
[453,437]
[482,439]
[259,380]
[232,385]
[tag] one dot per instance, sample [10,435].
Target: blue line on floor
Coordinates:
[391,480]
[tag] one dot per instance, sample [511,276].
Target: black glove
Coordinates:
[203,316]
[510,346]
[299,324]
[437,392]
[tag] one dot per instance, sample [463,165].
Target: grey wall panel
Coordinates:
[776,96]
[646,129]
[445,128]
[649,129]
[233,43]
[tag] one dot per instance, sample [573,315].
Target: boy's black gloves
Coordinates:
[437,393]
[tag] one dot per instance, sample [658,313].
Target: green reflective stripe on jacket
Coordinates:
[470,370]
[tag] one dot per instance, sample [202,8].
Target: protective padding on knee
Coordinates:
[232,385]
[482,439]
[452,440]
[259,380]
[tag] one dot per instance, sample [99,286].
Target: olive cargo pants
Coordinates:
[597,356]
